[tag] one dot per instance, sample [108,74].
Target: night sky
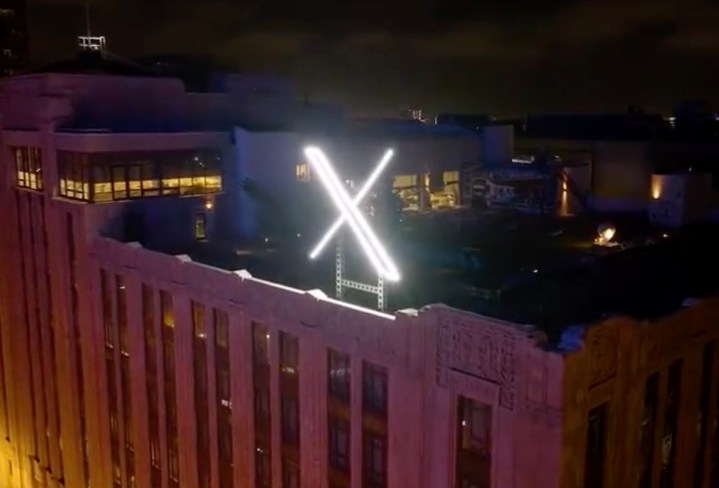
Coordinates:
[504,57]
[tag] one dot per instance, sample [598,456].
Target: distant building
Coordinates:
[13,37]
[613,156]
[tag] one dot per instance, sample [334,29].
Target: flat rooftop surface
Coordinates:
[540,270]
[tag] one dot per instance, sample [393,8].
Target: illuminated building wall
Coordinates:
[316,391]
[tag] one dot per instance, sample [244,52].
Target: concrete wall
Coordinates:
[270,160]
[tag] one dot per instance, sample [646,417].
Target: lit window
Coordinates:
[200,227]
[302,172]
[28,165]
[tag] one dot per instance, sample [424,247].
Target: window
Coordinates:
[168,356]
[74,175]
[374,461]
[670,424]
[290,420]
[148,319]
[261,386]
[595,448]
[289,353]
[260,343]
[111,382]
[338,375]
[106,309]
[339,443]
[374,388]
[201,407]
[465,483]
[475,427]
[263,477]
[119,176]
[648,426]
[173,462]
[703,412]
[75,327]
[224,400]
[200,226]
[28,166]
[290,474]
[302,172]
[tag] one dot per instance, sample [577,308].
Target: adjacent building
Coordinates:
[128,361]
[13,37]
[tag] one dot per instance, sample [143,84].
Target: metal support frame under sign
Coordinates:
[342,283]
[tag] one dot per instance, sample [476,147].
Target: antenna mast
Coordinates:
[88,42]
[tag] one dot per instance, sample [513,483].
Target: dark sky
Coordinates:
[495,56]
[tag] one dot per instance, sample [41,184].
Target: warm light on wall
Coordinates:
[656,187]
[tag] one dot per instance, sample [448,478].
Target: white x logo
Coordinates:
[367,239]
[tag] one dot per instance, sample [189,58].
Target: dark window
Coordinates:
[595,449]
[470,484]
[290,474]
[148,319]
[289,353]
[648,432]
[338,375]
[339,443]
[224,400]
[374,461]
[28,166]
[168,356]
[260,343]
[374,389]
[261,386]
[476,427]
[703,412]
[201,408]
[263,477]
[290,420]
[110,371]
[75,326]
[670,424]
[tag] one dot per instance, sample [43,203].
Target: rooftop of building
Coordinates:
[533,270]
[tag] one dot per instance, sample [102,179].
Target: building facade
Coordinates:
[129,367]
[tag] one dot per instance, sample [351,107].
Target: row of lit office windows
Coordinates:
[121,176]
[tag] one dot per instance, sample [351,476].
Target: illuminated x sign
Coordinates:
[367,239]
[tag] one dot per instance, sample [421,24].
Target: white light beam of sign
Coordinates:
[357,200]
[366,238]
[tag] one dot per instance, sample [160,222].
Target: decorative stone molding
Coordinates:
[484,350]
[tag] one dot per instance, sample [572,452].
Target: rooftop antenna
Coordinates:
[88,42]
[88,28]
